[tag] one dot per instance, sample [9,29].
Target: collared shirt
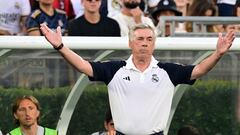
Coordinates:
[141,101]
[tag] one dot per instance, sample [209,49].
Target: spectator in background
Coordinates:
[130,15]
[188,130]
[0,132]
[201,8]
[108,124]
[26,112]
[13,15]
[46,14]
[231,27]
[92,23]
[165,8]
[226,7]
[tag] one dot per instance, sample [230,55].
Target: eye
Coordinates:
[150,39]
[21,109]
[31,108]
[140,38]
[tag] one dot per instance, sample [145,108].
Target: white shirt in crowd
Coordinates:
[11,12]
[230,2]
[126,22]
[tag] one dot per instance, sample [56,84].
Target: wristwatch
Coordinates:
[59,47]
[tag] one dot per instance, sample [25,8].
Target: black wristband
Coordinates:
[59,47]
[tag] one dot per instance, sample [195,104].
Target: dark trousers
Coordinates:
[159,133]
[225,10]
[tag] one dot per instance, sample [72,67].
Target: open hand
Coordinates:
[55,38]
[224,43]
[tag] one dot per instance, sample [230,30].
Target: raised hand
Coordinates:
[136,14]
[55,38]
[224,43]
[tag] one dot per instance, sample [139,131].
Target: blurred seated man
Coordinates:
[26,112]
[165,8]
[108,124]
[13,15]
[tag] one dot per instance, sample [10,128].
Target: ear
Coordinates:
[130,44]
[105,125]
[38,113]
[15,116]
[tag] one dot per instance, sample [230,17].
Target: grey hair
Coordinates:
[140,26]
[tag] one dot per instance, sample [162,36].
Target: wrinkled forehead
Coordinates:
[26,103]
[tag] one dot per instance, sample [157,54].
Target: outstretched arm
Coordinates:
[223,45]
[55,38]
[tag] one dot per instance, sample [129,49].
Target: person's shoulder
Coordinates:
[117,16]
[36,13]
[76,21]
[14,131]
[50,131]
[109,20]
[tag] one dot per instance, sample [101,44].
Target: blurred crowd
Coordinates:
[108,17]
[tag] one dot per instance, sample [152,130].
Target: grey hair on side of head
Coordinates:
[140,26]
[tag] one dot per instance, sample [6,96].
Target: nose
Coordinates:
[145,42]
[27,112]
[144,45]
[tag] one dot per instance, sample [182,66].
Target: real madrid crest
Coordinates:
[155,78]
[17,5]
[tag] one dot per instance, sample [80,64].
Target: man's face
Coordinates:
[231,27]
[131,4]
[109,126]
[27,113]
[143,42]
[91,6]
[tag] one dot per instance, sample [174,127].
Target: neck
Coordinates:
[92,17]
[48,9]
[141,62]
[29,130]
[126,11]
